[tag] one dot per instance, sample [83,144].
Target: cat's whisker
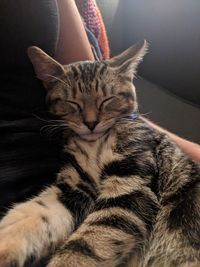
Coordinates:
[146,114]
[137,76]
[51,130]
[49,120]
[54,131]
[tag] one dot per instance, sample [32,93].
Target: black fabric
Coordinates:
[24,23]
[29,159]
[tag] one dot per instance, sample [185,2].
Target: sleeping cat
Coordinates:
[126,194]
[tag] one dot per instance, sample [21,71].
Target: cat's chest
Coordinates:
[94,156]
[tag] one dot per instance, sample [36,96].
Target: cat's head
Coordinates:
[90,96]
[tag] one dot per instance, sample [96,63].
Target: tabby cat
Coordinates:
[126,194]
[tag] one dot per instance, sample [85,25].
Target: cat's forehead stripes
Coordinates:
[87,77]
[97,85]
[75,71]
[88,71]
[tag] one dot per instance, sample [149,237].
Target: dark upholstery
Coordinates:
[28,158]
[24,23]
[172,28]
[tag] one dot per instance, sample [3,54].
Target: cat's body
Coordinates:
[126,194]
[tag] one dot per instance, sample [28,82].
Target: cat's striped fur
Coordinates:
[125,196]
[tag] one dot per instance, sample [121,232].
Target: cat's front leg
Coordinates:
[31,229]
[118,227]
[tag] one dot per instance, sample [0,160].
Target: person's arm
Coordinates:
[190,148]
[73,44]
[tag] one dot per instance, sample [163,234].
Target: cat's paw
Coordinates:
[72,260]
[63,261]
[22,231]
[10,255]
[13,244]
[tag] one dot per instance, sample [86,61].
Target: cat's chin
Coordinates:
[92,136]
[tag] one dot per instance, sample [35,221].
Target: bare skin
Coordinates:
[73,44]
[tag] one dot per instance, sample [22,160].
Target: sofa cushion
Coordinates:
[168,110]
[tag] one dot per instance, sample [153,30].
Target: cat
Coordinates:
[126,194]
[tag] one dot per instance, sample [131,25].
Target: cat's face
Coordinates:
[90,96]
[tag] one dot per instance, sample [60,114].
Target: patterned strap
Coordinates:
[93,20]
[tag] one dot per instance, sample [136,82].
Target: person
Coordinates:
[29,159]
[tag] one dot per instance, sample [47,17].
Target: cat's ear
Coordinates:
[126,63]
[46,68]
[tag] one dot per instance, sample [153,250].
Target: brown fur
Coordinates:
[126,194]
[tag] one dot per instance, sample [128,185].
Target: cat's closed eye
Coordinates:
[105,102]
[116,103]
[64,108]
[75,105]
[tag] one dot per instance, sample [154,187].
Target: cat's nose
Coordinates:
[91,124]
